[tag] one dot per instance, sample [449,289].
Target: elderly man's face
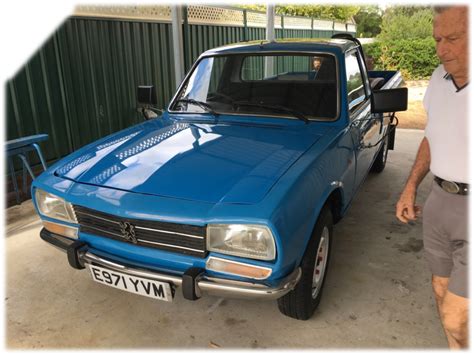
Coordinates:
[450,32]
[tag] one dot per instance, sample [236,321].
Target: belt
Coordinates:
[452,187]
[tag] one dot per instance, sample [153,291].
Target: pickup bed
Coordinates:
[235,188]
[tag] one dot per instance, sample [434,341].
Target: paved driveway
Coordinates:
[377,293]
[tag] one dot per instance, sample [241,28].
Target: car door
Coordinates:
[365,127]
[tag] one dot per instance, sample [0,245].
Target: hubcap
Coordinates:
[320,263]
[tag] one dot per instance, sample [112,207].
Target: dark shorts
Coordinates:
[445,237]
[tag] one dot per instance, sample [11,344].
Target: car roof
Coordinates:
[295,44]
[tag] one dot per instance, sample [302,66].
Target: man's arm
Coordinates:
[406,208]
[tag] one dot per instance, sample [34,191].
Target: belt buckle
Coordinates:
[450,186]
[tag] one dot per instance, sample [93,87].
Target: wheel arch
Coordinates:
[334,201]
[296,303]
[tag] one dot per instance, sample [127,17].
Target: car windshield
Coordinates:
[302,86]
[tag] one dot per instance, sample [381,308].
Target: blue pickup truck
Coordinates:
[234,189]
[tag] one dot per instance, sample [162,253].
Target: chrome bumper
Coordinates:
[201,283]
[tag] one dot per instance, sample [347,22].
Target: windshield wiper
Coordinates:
[205,106]
[280,108]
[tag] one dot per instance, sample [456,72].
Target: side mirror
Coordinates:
[146,95]
[390,100]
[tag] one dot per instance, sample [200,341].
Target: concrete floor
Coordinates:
[377,294]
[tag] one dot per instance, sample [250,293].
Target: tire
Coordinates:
[302,301]
[381,159]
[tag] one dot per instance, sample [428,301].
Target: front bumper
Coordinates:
[193,282]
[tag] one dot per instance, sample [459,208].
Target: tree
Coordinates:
[405,10]
[405,42]
[405,22]
[369,21]
[329,12]
[254,7]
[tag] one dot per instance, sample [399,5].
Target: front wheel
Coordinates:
[302,301]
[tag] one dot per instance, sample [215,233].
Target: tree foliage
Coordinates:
[328,12]
[415,58]
[404,22]
[254,7]
[405,42]
[405,10]
[369,21]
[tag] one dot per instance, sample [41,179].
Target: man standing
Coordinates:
[444,151]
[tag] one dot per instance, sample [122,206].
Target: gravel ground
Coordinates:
[415,116]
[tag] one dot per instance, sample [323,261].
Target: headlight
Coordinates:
[249,241]
[55,207]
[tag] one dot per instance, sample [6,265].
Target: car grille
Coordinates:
[179,238]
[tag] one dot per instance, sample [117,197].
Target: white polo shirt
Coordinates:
[447,129]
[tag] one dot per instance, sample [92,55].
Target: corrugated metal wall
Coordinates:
[81,84]
[103,63]
[199,38]
[36,102]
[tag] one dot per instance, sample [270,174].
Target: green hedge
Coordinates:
[415,58]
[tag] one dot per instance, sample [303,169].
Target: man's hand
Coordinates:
[406,208]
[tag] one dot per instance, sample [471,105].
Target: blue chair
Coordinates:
[20,147]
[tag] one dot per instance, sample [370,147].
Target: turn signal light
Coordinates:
[60,229]
[239,269]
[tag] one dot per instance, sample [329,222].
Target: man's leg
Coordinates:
[445,239]
[440,286]
[454,315]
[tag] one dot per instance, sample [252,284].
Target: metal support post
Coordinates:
[270,36]
[187,52]
[282,26]
[177,20]
[246,29]
[270,32]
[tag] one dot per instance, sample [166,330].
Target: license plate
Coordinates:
[138,285]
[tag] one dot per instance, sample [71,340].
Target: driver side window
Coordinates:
[356,93]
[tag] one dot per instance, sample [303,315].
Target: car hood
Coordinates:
[215,163]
